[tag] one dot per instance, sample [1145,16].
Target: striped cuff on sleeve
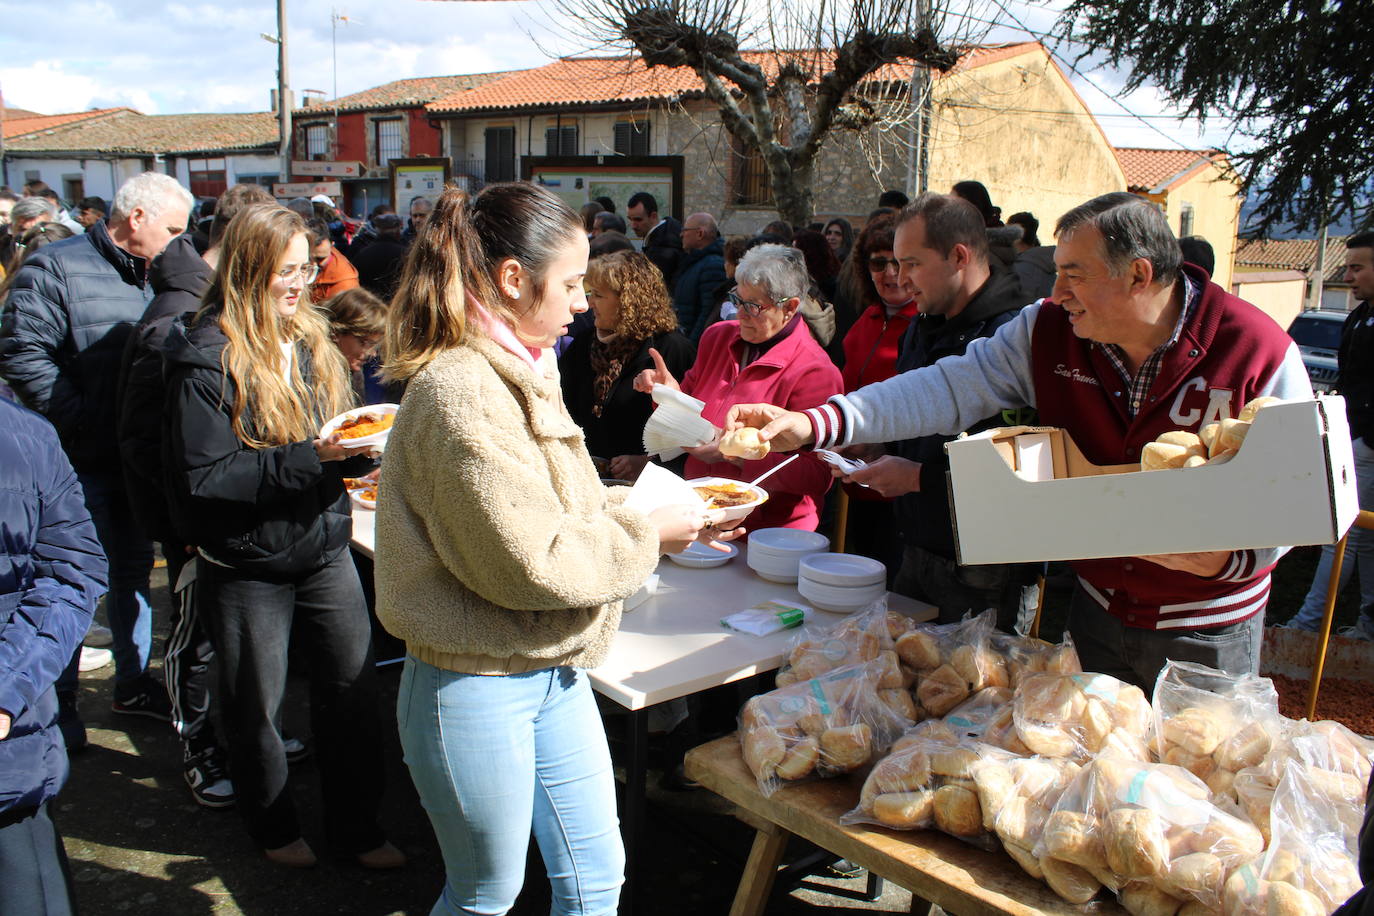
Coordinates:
[827,425]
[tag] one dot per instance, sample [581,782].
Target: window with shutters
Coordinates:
[750,178]
[561,140]
[500,154]
[317,141]
[1185,221]
[388,140]
[632,138]
[207,177]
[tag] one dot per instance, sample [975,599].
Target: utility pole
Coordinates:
[1318,272]
[283,94]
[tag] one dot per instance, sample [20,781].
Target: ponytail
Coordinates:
[453,262]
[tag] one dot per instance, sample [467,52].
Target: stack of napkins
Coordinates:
[658,487]
[767,617]
[676,423]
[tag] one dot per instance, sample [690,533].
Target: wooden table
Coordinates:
[937,869]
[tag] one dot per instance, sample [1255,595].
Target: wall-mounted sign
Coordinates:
[328,169]
[307,189]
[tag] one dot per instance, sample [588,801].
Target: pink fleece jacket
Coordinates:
[795,374]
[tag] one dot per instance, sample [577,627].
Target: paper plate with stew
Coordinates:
[735,498]
[362,426]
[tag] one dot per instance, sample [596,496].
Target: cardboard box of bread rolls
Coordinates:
[1026,494]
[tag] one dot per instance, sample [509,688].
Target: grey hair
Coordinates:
[780,269]
[707,223]
[30,207]
[150,192]
[1131,228]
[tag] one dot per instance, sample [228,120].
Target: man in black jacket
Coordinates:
[662,237]
[180,277]
[942,250]
[1355,361]
[69,313]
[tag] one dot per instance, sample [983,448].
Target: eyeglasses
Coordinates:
[752,309]
[306,272]
[878,265]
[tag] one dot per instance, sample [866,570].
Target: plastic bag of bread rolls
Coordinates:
[1077,715]
[951,662]
[1025,656]
[1337,763]
[831,724]
[928,783]
[857,638]
[1310,867]
[1148,831]
[1214,724]
[1017,795]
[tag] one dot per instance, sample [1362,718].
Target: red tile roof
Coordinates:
[410,93]
[21,127]
[136,133]
[16,113]
[603,80]
[1156,170]
[1292,254]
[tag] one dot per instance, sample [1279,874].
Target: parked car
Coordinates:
[1318,336]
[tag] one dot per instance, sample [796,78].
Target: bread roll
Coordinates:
[1135,843]
[996,790]
[1073,836]
[1287,900]
[980,667]
[1200,765]
[1160,456]
[764,749]
[1208,435]
[743,443]
[1247,413]
[1228,837]
[941,690]
[1195,729]
[1141,898]
[1069,881]
[1221,783]
[900,702]
[1231,436]
[954,761]
[1184,438]
[898,625]
[1244,748]
[1021,821]
[800,760]
[1221,458]
[1195,461]
[957,811]
[846,748]
[1245,892]
[905,810]
[889,670]
[919,649]
[1097,724]
[1197,874]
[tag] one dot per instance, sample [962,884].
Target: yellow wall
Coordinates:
[1216,215]
[1018,127]
[1280,300]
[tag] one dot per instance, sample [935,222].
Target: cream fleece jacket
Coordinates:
[498,549]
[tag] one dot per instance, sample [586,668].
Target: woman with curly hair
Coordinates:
[633,314]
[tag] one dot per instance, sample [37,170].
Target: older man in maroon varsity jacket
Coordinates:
[1131,344]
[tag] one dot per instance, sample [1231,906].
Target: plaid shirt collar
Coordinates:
[1139,386]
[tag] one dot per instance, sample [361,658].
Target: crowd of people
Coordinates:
[176,381]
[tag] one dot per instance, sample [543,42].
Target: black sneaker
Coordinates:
[210,784]
[149,699]
[296,749]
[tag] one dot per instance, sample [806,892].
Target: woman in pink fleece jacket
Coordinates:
[767,356]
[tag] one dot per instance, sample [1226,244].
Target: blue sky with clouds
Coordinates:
[164,58]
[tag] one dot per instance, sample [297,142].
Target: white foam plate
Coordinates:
[699,556]
[843,569]
[839,600]
[787,542]
[376,439]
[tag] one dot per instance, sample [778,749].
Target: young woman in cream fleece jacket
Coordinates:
[501,559]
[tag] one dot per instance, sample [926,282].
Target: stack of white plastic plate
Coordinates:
[841,582]
[675,423]
[775,553]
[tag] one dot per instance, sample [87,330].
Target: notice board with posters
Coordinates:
[579,179]
[412,178]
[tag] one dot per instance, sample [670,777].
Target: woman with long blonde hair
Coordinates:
[251,380]
[501,559]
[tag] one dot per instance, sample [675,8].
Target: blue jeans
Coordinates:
[492,757]
[130,554]
[1361,542]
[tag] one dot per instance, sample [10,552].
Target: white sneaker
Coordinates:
[93,659]
[98,637]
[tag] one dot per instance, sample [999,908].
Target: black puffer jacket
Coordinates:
[68,315]
[265,512]
[924,516]
[180,277]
